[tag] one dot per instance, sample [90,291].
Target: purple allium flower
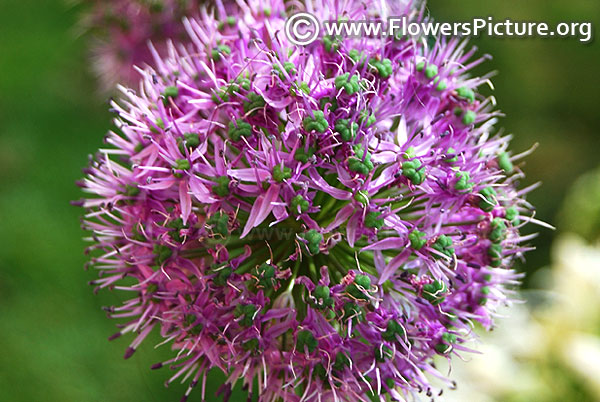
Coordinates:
[121,30]
[323,220]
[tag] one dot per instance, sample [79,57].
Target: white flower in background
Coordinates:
[545,353]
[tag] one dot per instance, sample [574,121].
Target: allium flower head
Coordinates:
[323,220]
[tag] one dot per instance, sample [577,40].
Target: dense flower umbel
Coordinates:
[324,220]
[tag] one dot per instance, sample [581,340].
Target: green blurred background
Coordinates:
[52,330]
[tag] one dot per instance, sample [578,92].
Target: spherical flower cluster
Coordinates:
[323,220]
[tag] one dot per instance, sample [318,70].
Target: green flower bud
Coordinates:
[289,68]
[354,289]
[239,129]
[434,292]
[488,201]
[316,123]
[466,93]
[251,345]
[314,239]
[512,215]
[417,239]
[151,288]
[131,190]
[302,156]
[219,223]
[357,57]
[217,52]
[303,86]
[382,353]
[346,129]
[322,295]
[331,43]
[373,220]
[442,348]
[265,274]
[469,117]
[162,253]
[463,183]
[332,102]
[222,187]
[358,164]
[176,225]
[182,164]
[443,244]
[320,371]
[366,119]
[247,313]
[280,174]
[382,67]
[169,92]
[244,83]
[221,95]
[306,341]
[190,140]
[504,162]
[414,171]
[348,83]
[351,310]
[222,275]
[299,201]
[431,71]
[362,196]
[393,331]
[409,153]
[498,232]
[341,361]
[254,103]
[495,253]
[160,124]
[451,151]
[446,345]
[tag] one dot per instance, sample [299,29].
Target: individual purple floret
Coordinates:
[323,220]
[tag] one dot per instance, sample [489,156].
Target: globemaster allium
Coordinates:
[322,221]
